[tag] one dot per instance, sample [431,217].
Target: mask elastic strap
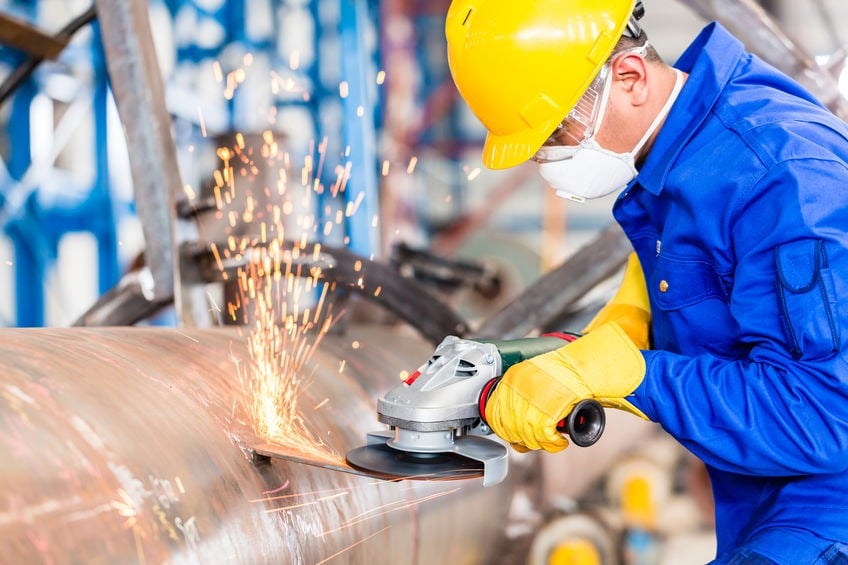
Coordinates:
[605,94]
[678,85]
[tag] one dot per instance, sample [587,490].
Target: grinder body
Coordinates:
[437,414]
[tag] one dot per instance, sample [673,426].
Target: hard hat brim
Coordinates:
[505,151]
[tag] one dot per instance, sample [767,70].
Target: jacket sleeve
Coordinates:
[781,407]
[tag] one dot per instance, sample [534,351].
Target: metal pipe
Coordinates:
[127,445]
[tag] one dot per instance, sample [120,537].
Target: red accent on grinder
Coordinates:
[411,378]
[484,397]
[564,336]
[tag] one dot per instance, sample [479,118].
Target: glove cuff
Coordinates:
[633,320]
[632,290]
[608,361]
[630,306]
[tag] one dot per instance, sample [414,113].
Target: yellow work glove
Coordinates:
[630,306]
[535,394]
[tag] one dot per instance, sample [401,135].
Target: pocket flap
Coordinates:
[798,264]
[681,283]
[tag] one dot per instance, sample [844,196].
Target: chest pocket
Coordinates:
[690,308]
[679,284]
[807,298]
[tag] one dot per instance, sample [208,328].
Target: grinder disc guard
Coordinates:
[436,430]
[465,457]
[386,462]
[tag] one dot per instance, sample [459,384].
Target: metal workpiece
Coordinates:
[133,445]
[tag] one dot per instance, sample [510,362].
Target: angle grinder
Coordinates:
[437,414]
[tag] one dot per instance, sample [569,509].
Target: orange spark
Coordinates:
[351,546]
[387,508]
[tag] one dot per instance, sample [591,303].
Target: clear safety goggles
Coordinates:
[580,123]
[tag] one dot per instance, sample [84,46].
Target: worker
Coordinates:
[731,326]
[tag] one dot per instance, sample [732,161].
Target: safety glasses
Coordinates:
[580,123]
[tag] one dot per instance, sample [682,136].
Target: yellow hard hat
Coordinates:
[522,65]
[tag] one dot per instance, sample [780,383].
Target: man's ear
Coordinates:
[631,71]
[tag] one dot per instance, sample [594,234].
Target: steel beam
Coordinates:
[138,88]
[549,297]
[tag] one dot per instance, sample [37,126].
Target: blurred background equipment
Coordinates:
[226,222]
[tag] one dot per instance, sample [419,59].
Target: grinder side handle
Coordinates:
[584,425]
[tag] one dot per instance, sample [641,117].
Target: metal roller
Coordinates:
[129,445]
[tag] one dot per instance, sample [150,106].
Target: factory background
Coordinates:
[346,92]
[69,227]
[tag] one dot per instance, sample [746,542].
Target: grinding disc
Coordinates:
[382,461]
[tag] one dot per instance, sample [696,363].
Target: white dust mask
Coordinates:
[587,170]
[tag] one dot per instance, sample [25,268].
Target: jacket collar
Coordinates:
[710,61]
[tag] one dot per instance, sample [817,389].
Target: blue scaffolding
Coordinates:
[37,208]
[347,124]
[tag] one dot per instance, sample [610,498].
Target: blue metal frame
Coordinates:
[31,252]
[101,216]
[36,230]
[358,127]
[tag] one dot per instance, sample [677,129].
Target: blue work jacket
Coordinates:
[739,216]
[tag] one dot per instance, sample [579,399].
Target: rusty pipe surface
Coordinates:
[127,445]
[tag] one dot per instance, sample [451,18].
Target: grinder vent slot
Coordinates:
[466,369]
